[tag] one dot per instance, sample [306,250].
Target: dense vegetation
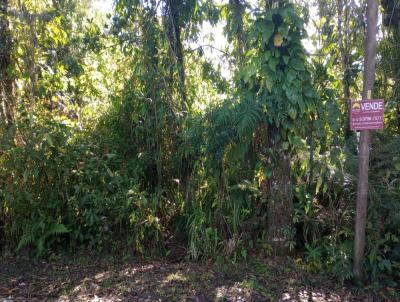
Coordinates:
[119,132]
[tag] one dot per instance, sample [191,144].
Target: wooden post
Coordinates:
[363,157]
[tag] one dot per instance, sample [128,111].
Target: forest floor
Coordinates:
[104,279]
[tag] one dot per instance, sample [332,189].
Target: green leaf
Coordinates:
[301,104]
[267,55]
[286,59]
[267,28]
[249,71]
[283,30]
[267,173]
[49,140]
[319,183]
[196,8]
[268,84]
[292,95]
[272,63]
[298,142]
[292,113]
[309,92]
[325,188]
[291,75]
[297,64]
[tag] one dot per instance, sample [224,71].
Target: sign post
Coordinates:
[365,115]
[363,154]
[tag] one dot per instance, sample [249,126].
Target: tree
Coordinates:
[7,102]
[235,28]
[277,84]
[174,19]
[340,37]
[363,157]
[390,56]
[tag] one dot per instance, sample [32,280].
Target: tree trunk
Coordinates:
[343,17]
[397,84]
[280,204]
[174,27]
[150,46]
[279,190]
[363,159]
[398,118]
[237,8]
[6,81]
[278,193]
[175,40]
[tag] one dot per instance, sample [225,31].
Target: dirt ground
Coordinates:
[93,279]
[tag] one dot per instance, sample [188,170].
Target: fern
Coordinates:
[26,239]
[56,229]
[223,116]
[248,117]
[237,151]
[36,237]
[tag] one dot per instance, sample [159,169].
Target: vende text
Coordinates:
[372,106]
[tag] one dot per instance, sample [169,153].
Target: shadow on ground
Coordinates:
[100,280]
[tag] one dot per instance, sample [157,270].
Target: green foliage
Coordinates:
[38,234]
[276,73]
[127,138]
[65,190]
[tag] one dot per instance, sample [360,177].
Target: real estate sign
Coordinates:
[367,114]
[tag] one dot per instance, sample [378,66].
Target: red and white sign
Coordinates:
[367,114]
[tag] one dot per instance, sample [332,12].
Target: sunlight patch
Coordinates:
[177,276]
[101,276]
[220,293]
